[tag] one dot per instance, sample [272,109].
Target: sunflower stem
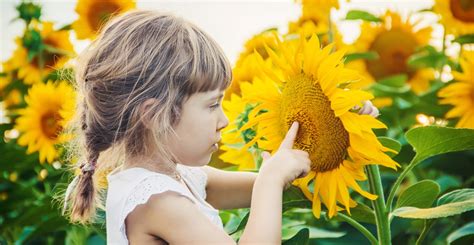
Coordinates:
[381,213]
[359,227]
[396,185]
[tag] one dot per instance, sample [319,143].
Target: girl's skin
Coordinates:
[175,219]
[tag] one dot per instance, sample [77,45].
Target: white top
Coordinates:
[134,186]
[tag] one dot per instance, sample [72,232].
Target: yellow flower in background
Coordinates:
[232,138]
[49,107]
[324,5]
[9,97]
[457,16]
[460,94]
[58,51]
[316,91]
[394,40]
[245,71]
[257,43]
[94,14]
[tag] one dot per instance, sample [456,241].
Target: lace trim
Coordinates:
[144,190]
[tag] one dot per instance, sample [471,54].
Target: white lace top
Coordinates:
[131,187]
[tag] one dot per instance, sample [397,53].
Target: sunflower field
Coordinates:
[400,173]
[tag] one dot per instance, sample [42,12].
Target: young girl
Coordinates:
[151,86]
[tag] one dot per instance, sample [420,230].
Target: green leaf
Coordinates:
[433,140]
[397,81]
[372,55]
[453,203]
[460,195]
[293,197]
[466,230]
[419,195]
[427,57]
[390,143]
[360,213]
[464,39]
[302,237]
[362,15]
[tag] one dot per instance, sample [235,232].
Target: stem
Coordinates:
[426,228]
[381,214]
[396,185]
[359,227]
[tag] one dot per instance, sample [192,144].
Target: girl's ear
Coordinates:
[146,112]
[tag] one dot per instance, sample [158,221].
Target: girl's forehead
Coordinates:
[209,95]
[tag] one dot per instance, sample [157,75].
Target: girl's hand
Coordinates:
[287,164]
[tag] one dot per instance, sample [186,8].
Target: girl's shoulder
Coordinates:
[132,187]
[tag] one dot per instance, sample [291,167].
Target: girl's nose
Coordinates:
[223,122]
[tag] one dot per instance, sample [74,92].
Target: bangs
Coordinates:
[211,69]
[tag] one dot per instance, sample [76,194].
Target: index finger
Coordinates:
[290,136]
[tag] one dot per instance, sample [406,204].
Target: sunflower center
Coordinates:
[50,124]
[321,133]
[100,12]
[394,47]
[462,10]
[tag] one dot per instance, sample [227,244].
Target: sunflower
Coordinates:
[49,107]
[316,91]
[245,71]
[57,52]
[457,16]
[94,14]
[233,139]
[460,94]
[394,40]
[257,44]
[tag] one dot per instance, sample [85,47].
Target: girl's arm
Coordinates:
[229,190]
[177,220]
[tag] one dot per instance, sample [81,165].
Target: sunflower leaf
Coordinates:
[362,15]
[396,81]
[466,230]
[453,203]
[390,143]
[465,39]
[360,213]
[427,57]
[420,195]
[372,55]
[433,140]
[301,237]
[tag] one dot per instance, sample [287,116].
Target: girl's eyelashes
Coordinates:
[214,106]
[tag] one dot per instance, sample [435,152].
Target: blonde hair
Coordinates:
[138,56]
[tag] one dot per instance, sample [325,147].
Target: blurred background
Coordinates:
[416,86]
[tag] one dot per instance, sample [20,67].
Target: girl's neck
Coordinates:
[154,164]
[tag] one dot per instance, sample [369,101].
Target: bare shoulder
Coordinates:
[175,219]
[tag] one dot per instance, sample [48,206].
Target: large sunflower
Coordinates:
[94,14]
[50,107]
[457,16]
[58,49]
[394,40]
[316,91]
[460,94]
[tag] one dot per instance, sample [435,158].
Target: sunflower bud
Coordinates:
[29,11]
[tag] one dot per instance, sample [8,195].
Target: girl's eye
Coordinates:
[215,106]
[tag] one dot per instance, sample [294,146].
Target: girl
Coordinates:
[151,86]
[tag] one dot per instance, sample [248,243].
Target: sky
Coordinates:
[230,22]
